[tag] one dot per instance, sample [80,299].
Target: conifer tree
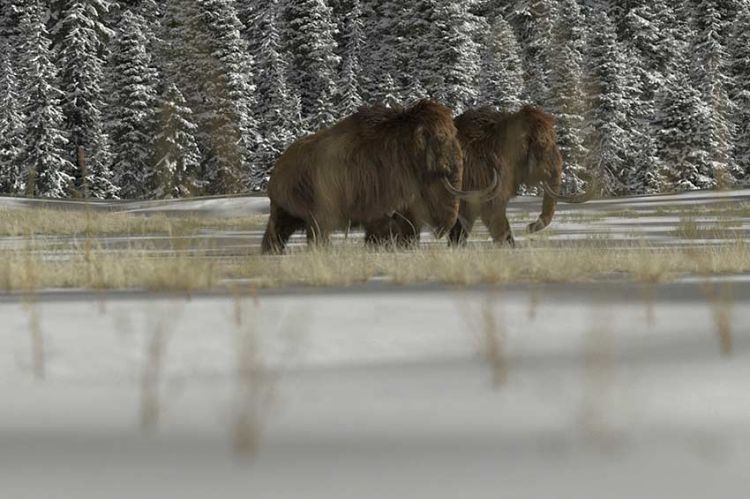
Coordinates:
[177,158]
[46,167]
[342,14]
[458,59]
[133,107]
[277,105]
[10,16]
[151,12]
[181,48]
[387,51]
[11,123]
[613,108]
[650,35]
[81,38]
[350,98]
[390,95]
[443,53]
[308,37]
[228,93]
[501,74]
[649,27]
[708,68]
[739,71]
[413,92]
[728,10]
[680,113]
[566,99]
[535,20]
[252,16]
[209,61]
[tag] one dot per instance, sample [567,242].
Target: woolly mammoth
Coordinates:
[367,167]
[518,148]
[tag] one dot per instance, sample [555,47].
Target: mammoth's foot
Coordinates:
[395,241]
[506,240]
[269,247]
[509,240]
[281,226]
[317,238]
[459,234]
[397,231]
[536,226]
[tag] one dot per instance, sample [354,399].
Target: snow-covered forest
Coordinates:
[154,99]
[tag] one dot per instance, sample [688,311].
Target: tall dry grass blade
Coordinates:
[150,408]
[255,384]
[599,373]
[721,299]
[38,356]
[493,348]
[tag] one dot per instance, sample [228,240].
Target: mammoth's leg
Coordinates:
[401,230]
[281,226]
[317,235]
[405,229]
[377,232]
[460,232]
[493,216]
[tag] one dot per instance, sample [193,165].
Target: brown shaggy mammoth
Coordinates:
[367,167]
[520,148]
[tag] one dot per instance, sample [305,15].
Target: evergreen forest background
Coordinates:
[159,99]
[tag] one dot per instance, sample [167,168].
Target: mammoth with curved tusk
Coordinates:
[371,165]
[518,148]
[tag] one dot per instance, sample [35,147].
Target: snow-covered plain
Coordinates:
[606,389]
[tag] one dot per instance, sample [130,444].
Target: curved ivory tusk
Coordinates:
[578,198]
[484,195]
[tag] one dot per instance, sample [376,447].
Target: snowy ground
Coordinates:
[606,389]
[651,219]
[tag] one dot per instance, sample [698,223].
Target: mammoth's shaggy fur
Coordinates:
[519,147]
[368,166]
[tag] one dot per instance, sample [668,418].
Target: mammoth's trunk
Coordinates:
[551,187]
[552,195]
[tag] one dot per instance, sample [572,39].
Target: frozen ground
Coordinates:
[600,390]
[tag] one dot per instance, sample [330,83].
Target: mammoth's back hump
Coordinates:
[347,172]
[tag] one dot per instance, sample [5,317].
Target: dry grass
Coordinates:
[721,298]
[150,408]
[90,223]
[729,209]
[27,271]
[180,259]
[493,340]
[718,228]
[38,355]
[92,267]
[255,381]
